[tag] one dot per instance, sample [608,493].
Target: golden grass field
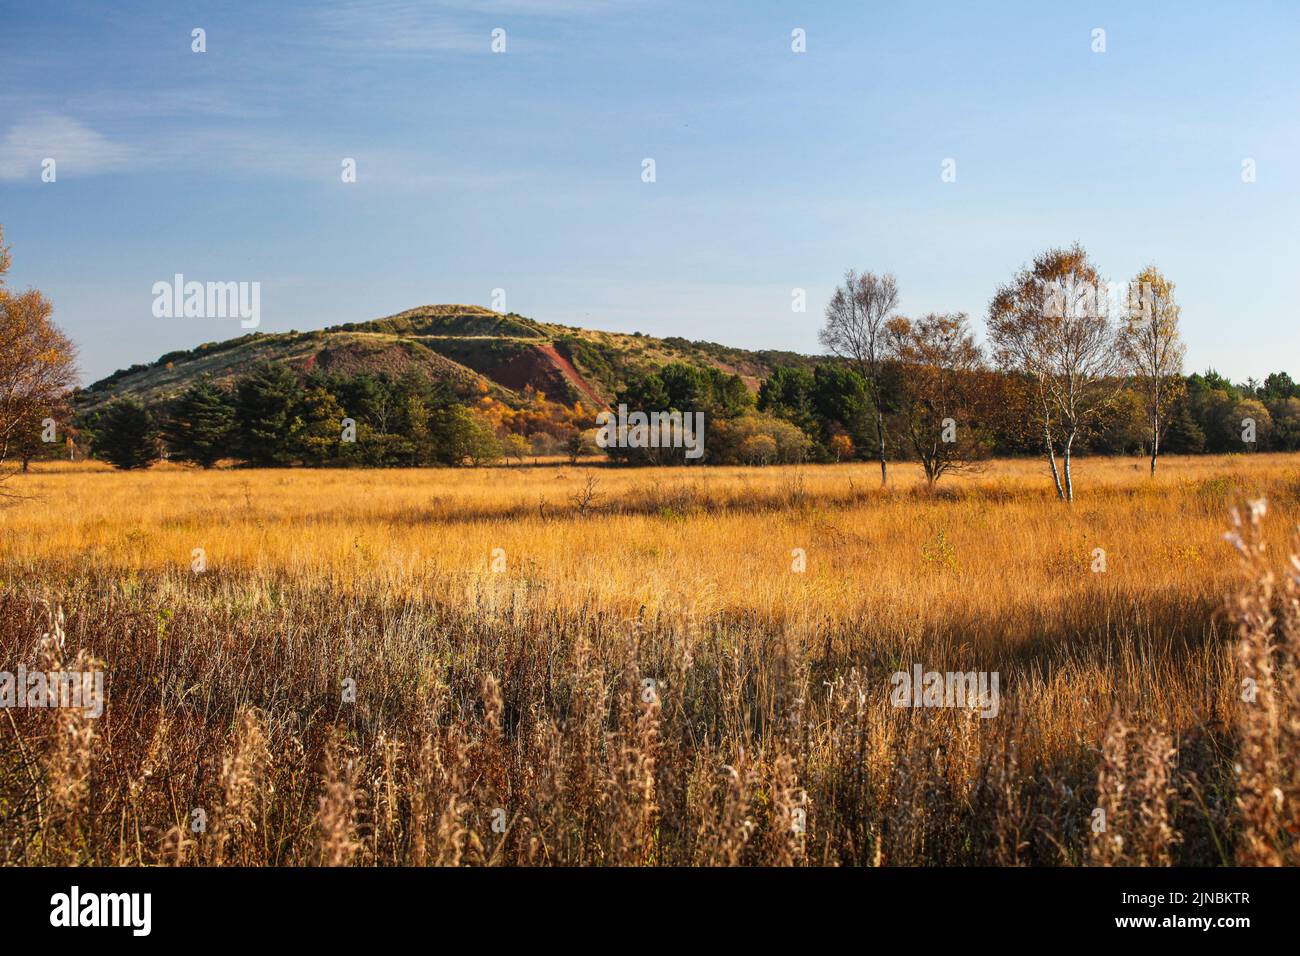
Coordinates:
[504,690]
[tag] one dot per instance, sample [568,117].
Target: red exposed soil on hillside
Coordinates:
[547,371]
[571,373]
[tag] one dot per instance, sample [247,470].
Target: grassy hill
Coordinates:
[470,348]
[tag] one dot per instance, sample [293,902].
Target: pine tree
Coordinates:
[321,437]
[127,436]
[1184,436]
[266,401]
[202,425]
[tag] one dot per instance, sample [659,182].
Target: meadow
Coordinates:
[586,665]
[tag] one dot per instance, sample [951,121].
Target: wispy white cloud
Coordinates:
[401,9]
[76,148]
[134,103]
[433,26]
[265,154]
[541,8]
[399,27]
[277,155]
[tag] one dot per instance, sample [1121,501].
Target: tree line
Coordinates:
[1074,364]
[1068,369]
[272,417]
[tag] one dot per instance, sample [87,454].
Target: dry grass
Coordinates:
[647,681]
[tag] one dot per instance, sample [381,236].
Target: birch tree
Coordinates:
[855,330]
[1153,348]
[1051,323]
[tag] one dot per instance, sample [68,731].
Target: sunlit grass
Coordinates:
[417,579]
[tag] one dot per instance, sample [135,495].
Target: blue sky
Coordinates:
[522,170]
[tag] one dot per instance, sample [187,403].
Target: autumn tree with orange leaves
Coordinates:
[37,364]
[940,401]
